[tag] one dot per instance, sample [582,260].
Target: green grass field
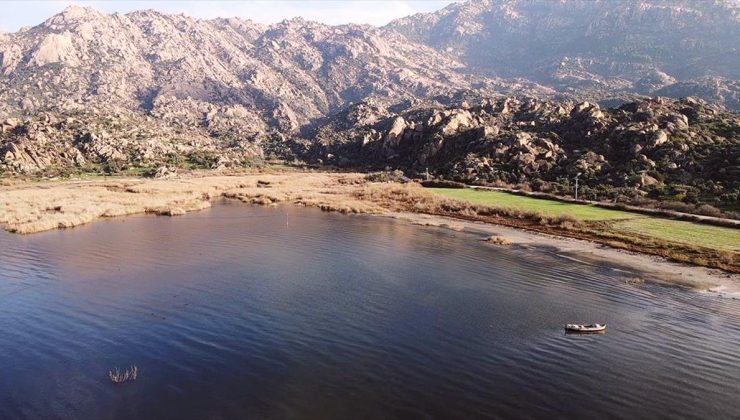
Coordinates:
[546,207]
[715,237]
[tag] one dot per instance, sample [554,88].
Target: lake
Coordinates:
[273,313]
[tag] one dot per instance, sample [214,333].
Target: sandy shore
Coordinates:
[38,206]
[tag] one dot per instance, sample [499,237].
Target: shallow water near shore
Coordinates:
[250,312]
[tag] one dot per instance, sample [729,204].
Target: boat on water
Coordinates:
[585,328]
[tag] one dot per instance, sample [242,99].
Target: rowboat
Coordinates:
[589,328]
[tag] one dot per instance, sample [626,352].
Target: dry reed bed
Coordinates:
[35,208]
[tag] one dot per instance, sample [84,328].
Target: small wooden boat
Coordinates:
[582,328]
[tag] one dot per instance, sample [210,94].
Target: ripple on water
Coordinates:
[229,312]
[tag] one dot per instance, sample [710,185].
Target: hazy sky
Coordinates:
[17,14]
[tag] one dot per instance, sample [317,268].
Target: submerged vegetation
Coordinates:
[498,240]
[118,377]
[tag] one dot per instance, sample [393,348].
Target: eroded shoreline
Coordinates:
[34,207]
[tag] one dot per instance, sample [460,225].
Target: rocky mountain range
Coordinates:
[284,75]
[596,48]
[502,91]
[296,72]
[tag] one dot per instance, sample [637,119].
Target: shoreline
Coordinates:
[35,207]
[636,266]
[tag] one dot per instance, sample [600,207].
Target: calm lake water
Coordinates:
[229,313]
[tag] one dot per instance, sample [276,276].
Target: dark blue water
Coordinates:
[229,313]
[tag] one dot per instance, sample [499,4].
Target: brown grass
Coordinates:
[31,208]
[413,198]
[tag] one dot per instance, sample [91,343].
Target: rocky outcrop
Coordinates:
[57,144]
[55,48]
[658,146]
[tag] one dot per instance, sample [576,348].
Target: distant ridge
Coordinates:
[603,47]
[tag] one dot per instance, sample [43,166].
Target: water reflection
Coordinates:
[229,313]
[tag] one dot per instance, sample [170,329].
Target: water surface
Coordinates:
[234,313]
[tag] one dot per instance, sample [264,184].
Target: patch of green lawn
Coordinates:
[715,237]
[546,207]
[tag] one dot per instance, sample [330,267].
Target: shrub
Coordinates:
[174,159]
[112,166]
[708,210]
[387,176]
[433,183]
[204,158]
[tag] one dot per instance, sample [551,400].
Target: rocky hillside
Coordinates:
[686,150]
[603,48]
[86,90]
[176,67]
[110,141]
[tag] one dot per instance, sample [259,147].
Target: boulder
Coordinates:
[647,180]
[545,144]
[587,110]
[395,133]
[590,162]
[9,124]
[487,131]
[164,172]
[523,140]
[459,120]
[55,48]
[659,138]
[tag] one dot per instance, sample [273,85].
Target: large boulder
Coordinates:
[646,180]
[456,122]
[395,133]
[55,48]
[587,110]
[9,124]
[658,138]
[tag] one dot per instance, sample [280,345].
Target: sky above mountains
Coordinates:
[374,12]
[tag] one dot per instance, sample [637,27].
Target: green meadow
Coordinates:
[624,222]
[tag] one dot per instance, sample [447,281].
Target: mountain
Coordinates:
[488,92]
[172,66]
[601,48]
[290,75]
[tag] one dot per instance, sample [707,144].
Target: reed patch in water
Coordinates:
[118,377]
